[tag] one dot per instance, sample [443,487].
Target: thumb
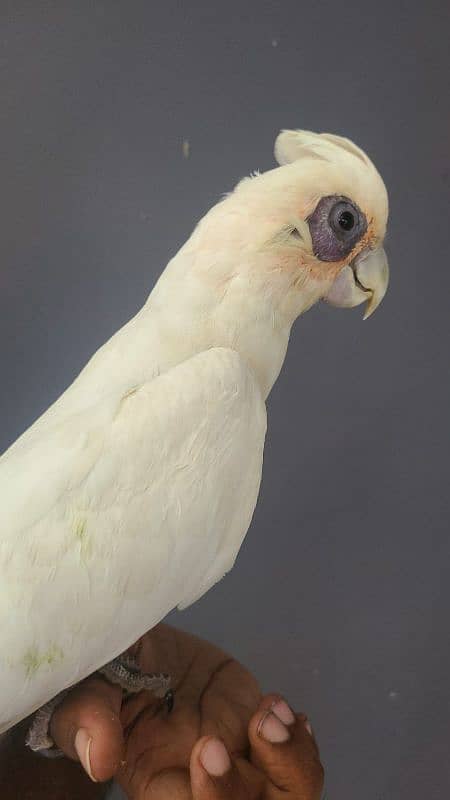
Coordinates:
[87,728]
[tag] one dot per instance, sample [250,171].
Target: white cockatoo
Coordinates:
[132,494]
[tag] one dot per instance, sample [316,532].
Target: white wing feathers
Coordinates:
[115,515]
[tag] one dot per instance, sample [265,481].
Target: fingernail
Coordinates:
[281,710]
[82,745]
[272,729]
[215,758]
[308,727]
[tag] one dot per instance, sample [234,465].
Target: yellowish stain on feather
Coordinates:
[34,660]
[80,529]
[81,533]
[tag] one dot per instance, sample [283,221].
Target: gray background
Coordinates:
[340,595]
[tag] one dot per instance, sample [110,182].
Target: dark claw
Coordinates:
[169,700]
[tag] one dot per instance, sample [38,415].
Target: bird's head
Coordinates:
[342,218]
[313,228]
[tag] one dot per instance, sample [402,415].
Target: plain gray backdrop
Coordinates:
[340,595]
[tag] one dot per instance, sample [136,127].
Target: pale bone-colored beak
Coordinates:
[365,279]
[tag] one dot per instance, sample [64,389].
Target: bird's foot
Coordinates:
[125,672]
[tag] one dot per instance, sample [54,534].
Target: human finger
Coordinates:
[87,728]
[214,776]
[283,747]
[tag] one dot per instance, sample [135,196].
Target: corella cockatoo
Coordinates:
[132,494]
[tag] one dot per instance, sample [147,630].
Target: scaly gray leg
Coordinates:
[124,671]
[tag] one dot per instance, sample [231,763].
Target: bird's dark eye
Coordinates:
[343,218]
[336,225]
[346,220]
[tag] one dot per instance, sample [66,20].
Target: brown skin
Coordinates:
[155,755]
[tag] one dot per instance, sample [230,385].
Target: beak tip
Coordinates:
[371,306]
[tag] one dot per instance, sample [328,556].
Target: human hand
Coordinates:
[214,695]
[218,705]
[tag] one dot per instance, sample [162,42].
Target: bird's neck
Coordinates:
[188,312]
[233,284]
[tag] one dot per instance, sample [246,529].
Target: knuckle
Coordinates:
[303,780]
[233,788]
